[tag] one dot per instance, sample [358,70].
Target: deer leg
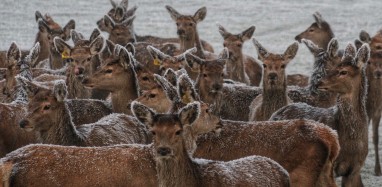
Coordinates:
[377,167]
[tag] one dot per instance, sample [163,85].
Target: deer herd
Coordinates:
[133,110]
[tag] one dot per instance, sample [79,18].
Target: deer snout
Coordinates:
[272,76]
[217,87]
[24,124]
[79,70]
[181,32]
[298,38]
[164,151]
[378,74]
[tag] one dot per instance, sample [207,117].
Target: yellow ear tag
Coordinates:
[156,62]
[65,55]
[186,99]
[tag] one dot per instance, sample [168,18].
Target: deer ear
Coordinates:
[247,34]
[223,32]
[60,91]
[200,14]
[168,88]
[173,13]
[30,88]
[42,26]
[224,54]
[291,51]
[349,52]
[13,54]
[313,48]
[38,15]
[131,11]
[124,3]
[33,54]
[261,51]
[170,76]
[61,46]
[358,43]
[363,55]
[181,57]
[119,13]
[129,21]
[194,62]
[317,16]
[113,4]
[189,113]
[157,55]
[130,47]
[76,36]
[364,36]
[186,89]
[69,26]
[109,23]
[97,45]
[94,34]
[333,47]
[124,56]
[143,113]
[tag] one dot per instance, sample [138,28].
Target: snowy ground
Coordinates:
[277,23]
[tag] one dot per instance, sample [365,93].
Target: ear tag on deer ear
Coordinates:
[156,62]
[65,54]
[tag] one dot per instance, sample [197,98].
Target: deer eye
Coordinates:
[152,95]
[153,133]
[109,71]
[145,78]
[264,65]
[204,75]
[239,44]
[343,72]
[178,132]
[311,30]
[190,24]
[283,66]
[46,107]
[177,24]
[88,59]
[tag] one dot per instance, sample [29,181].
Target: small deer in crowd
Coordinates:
[274,94]
[348,116]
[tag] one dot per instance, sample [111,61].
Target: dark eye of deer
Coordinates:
[204,75]
[89,58]
[311,30]
[283,66]
[239,45]
[46,107]
[109,71]
[190,24]
[178,132]
[145,78]
[264,65]
[343,73]
[177,24]
[152,95]
[153,133]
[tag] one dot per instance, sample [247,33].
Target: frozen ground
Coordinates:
[277,22]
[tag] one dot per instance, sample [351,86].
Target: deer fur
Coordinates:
[240,67]
[176,168]
[49,116]
[348,116]
[274,82]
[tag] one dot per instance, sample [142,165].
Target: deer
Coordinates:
[83,60]
[188,34]
[240,67]
[170,152]
[49,116]
[229,101]
[313,170]
[274,82]
[324,60]
[48,30]
[348,79]
[374,91]
[118,13]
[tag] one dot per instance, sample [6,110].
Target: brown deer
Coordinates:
[320,32]
[374,89]
[83,60]
[240,67]
[229,101]
[175,167]
[324,60]
[49,116]
[274,94]
[48,30]
[188,33]
[348,116]
[118,12]
[312,169]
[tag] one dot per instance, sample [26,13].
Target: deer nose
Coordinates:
[23,123]
[298,38]
[181,31]
[217,86]
[164,151]
[378,74]
[79,70]
[272,76]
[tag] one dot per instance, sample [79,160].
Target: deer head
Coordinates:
[118,13]
[120,33]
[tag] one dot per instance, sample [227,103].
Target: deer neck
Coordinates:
[190,42]
[122,98]
[205,93]
[63,131]
[235,68]
[274,97]
[44,48]
[374,94]
[55,59]
[76,89]
[352,115]
[178,171]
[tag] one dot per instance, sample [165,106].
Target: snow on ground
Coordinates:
[277,23]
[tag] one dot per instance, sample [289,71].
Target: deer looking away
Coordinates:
[117,13]
[348,79]
[49,116]
[374,89]
[312,169]
[274,94]
[240,67]
[83,60]
[175,167]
